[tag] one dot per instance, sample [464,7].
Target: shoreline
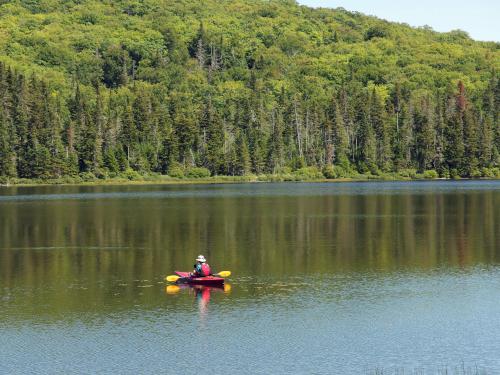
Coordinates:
[165,180]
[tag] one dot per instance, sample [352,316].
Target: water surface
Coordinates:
[327,278]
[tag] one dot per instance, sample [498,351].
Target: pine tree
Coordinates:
[121,158]
[86,130]
[367,146]
[71,134]
[128,134]
[455,149]
[439,160]
[215,139]
[170,152]
[403,140]
[369,154]
[486,141]
[198,46]
[328,137]
[341,142]
[243,164]
[7,131]
[7,154]
[143,115]
[99,124]
[275,158]
[382,136]
[160,125]
[186,137]
[231,160]
[471,143]
[424,130]
[110,161]
[41,162]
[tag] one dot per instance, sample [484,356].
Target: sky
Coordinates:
[480,18]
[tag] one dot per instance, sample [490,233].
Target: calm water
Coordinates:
[327,278]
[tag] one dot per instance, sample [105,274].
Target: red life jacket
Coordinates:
[205,270]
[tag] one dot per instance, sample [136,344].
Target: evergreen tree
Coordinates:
[128,133]
[169,152]
[424,130]
[275,158]
[121,158]
[86,131]
[243,163]
[454,151]
[99,125]
[439,161]
[471,144]
[380,128]
[328,137]
[110,161]
[341,143]
[367,146]
[198,46]
[405,138]
[486,143]
[186,137]
[214,159]
[7,154]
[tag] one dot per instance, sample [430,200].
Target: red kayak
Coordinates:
[207,280]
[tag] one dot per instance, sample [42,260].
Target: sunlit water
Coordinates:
[327,278]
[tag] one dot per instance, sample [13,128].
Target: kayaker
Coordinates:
[201,268]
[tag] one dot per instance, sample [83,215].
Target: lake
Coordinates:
[348,278]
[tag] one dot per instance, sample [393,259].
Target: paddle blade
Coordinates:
[172,278]
[227,288]
[224,274]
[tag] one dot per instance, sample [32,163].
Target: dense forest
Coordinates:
[99,89]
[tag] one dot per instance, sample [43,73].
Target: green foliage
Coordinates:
[377,31]
[238,88]
[197,172]
[132,175]
[329,172]
[110,161]
[490,172]
[308,173]
[431,175]
[408,173]
[475,173]
[87,176]
[176,171]
[454,174]
[4,180]
[335,171]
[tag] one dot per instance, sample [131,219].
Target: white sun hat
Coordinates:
[201,259]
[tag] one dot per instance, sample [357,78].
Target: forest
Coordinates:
[101,89]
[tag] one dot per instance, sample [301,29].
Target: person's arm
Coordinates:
[197,270]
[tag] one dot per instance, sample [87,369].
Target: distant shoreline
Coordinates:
[166,180]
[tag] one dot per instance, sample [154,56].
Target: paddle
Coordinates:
[174,278]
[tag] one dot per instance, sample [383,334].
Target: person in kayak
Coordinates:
[201,268]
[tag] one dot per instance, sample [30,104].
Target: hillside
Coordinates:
[238,87]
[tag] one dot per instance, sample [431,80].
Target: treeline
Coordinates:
[95,89]
[148,128]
